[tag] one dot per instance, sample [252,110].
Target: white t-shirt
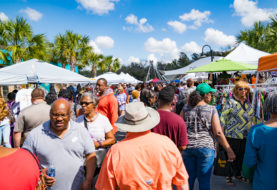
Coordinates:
[23,96]
[98,128]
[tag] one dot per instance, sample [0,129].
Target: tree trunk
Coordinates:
[93,71]
[72,63]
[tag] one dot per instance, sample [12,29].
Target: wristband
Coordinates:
[100,144]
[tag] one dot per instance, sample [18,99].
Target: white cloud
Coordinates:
[99,7]
[177,26]
[152,58]
[95,47]
[133,59]
[250,13]
[140,25]
[104,42]
[32,14]
[191,47]
[197,17]
[219,38]
[132,19]
[3,17]
[167,48]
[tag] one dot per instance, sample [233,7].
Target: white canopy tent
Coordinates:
[195,76]
[128,78]
[36,71]
[195,64]
[113,78]
[11,79]
[246,54]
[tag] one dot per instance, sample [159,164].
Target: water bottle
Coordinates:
[51,172]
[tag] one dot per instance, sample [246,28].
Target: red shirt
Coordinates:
[19,170]
[142,161]
[108,106]
[173,126]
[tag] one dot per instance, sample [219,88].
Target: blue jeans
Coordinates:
[199,164]
[5,131]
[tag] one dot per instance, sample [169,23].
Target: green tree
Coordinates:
[71,48]
[94,60]
[116,65]
[17,36]
[271,35]
[255,37]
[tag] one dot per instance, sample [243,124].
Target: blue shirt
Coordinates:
[67,154]
[261,151]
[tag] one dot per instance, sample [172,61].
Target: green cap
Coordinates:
[204,88]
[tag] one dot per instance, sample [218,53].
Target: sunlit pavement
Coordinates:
[218,183]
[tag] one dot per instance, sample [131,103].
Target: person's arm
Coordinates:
[182,114]
[113,112]
[90,169]
[182,136]
[218,133]
[250,155]
[109,140]
[106,179]
[18,129]
[17,139]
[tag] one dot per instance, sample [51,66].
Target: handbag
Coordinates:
[41,182]
[221,166]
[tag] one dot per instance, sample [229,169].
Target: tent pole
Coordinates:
[254,92]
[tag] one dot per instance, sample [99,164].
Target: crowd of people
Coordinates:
[144,136]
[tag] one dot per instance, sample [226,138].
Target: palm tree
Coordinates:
[255,37]
[17,36]
[109,62]
[271,35]
[71,48]
[95,60]
[116,65]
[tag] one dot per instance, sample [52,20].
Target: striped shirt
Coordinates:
[199,134]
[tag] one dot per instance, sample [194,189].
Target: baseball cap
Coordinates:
[204,88]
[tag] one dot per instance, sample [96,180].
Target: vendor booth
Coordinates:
[36,71]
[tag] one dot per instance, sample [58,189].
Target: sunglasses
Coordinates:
[241,89]
[54,115]
[85,103]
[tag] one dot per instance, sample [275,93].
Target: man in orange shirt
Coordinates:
[107,105]
[143,160]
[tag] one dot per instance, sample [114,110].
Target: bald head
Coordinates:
[190,82]
[60,115]
[61,103]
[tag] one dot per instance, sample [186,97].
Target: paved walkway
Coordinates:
[218,183]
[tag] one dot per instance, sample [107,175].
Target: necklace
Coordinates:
[93,118]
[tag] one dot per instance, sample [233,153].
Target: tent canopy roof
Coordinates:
[36,71]
[246,54]
[224,65]
[268,63]
[195,64]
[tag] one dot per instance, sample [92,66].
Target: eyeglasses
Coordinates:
[85,103]
[54,115]
[241,89]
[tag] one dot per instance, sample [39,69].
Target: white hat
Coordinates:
[138,118]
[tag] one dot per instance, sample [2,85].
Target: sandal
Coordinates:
[229,181]
[242,179]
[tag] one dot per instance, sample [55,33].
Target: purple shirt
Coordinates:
[173,126]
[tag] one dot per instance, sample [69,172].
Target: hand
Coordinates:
[49,181]
[96,144]
[86,185]
[231,155]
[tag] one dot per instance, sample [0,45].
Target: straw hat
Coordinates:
[138,118]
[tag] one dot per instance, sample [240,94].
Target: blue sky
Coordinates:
[140,30]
